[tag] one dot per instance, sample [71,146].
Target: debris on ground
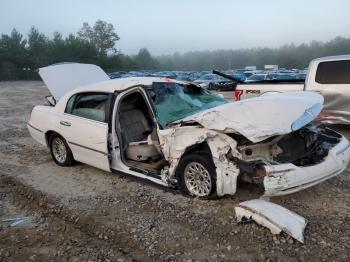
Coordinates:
[273,216]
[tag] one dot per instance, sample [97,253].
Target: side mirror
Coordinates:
[51,100]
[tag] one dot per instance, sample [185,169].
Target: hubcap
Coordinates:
[59,150]
[197,179]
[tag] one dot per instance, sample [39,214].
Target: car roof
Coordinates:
[110,86]
[332,58]
[121,84]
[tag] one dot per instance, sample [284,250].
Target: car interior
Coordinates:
[91,106]
[139,140]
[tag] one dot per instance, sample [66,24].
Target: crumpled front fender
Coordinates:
[175,141]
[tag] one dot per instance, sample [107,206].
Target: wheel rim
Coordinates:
[59,150]
[197,179]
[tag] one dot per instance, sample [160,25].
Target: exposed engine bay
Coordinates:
[305,147]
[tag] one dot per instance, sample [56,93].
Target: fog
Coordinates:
[165,27]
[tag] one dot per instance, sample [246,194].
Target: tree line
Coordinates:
[97,44]
[91,44]
[287,56]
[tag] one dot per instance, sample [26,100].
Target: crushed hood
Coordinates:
[64,77]
[262,117]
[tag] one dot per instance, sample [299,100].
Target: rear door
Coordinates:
[84,125]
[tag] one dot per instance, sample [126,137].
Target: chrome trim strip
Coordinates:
[84,118]
[37,129]
[89,148]
[281,171]
[343,149]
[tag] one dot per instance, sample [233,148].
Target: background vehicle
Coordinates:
[215,82]
[256,78]
[328,76]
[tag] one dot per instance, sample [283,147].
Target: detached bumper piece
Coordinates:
[272,216]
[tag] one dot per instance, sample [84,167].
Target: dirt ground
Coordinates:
[84,214]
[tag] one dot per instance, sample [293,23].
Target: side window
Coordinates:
[333,72]
[70,104]
[92,106]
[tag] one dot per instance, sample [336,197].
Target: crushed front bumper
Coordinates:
[288,178]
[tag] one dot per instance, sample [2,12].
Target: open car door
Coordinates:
[64,77]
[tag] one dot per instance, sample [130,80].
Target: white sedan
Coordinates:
[177,134]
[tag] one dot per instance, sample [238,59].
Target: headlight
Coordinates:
[309,115]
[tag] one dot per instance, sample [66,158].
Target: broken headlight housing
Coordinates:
[309,115]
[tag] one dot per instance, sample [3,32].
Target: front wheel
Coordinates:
[197,175]
[60,151]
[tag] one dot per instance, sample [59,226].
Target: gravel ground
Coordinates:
[84,214]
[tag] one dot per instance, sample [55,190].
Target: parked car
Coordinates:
[114,75]
[256,78]
[281,76]
[214,82]
[328,76]
[243,74]
[180,135]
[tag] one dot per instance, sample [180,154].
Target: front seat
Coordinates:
[136,132]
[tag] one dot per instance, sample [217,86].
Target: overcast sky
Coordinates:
[167,26]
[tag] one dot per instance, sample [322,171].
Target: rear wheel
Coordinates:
[60,151]
[197,175]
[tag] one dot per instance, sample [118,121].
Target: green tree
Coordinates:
[102,35]
[13,53]
[38,48]
[144,60]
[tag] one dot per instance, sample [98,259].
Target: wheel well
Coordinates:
[48,134]
[198,148]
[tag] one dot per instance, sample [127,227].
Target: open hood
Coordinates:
[64,77]
[260,118]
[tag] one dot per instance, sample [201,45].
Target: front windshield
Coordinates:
[175,101]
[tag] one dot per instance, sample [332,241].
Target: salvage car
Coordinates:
[179,135]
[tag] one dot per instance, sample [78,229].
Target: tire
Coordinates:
[192,163]
[60,151]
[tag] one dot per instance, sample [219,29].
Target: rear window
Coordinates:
[333,72]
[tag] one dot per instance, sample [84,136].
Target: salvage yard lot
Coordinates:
[84,213]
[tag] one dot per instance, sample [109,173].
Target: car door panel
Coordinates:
[85,127]
[87,140]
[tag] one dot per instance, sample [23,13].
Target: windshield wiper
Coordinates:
[232,78]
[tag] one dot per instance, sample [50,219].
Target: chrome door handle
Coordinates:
[65,123]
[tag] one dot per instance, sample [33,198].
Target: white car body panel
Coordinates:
[81,135]
[272,216]
[87,139]
[61,78]
[42,119]
[267,115]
